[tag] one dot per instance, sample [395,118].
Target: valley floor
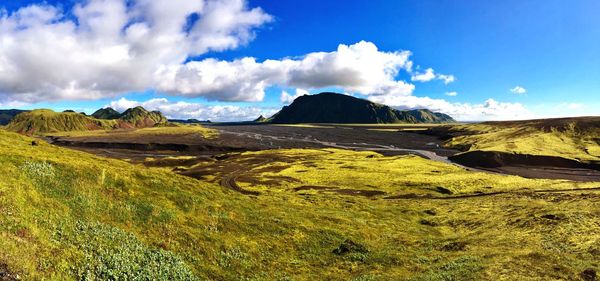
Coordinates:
[222,207]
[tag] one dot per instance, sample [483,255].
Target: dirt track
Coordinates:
[229,180]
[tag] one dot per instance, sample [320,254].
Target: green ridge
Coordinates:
[44,121]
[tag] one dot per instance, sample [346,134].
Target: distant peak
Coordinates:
[329,107]
[137,108]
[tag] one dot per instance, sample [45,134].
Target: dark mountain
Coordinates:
[7,115]
[338,108]
[261,119]
[106,113]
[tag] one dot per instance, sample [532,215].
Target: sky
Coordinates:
[229,60]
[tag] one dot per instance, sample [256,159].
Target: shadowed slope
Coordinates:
[7,115]
[338,108]
[106,113]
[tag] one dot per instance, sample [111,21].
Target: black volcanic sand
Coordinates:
[529,166]
[239,138]
[255,137]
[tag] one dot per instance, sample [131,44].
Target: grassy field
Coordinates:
[570,138]
[67,215]
[318,171]
[172,129]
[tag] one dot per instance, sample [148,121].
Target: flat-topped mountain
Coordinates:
[338,108]
[43,121]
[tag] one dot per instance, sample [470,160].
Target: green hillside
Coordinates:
[106,113]
[44,121]
[139,117]
[68,215]
[574,138]
[47,121]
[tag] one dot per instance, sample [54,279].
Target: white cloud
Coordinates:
[518,90]
[572,105]
[105,48]
[286,98]
[12,104]
[447,78]
[426,76]
[452,94]
[186,110]
[110,47]
[489,110]
[430,74]
[358,68]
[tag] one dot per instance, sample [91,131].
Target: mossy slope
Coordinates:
[68,215]
[573,138]
[44,121]
[47,121]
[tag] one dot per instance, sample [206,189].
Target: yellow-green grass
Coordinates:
[304,126]
[524,138]
[45,120]
[398,175]
[179,129]
[68,215]
[384,130]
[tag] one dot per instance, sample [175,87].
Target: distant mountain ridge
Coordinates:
[338,108]
[190,121]
[7,115]
[43,121]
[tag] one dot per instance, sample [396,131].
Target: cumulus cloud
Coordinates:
[187,110]
[430,74]
[108,47]
[359,68]
[488,110]
[518,90]
[105,48]
[287,98]
[452,94]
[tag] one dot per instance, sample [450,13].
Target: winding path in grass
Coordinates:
[229,180]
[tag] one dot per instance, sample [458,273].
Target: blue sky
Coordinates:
[549,48]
